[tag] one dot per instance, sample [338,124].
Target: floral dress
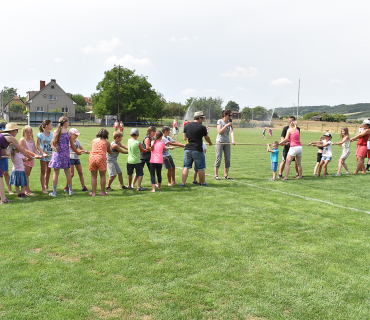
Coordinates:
[346,149]
[60,158]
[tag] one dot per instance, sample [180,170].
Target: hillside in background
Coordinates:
[352,111]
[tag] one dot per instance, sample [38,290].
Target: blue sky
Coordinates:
[251,52]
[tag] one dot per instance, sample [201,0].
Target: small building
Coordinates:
[15,101]
[50,97]
[88,101]
[318,117]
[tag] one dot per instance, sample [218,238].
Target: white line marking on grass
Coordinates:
[294,195]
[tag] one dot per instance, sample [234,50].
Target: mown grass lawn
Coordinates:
[246,248]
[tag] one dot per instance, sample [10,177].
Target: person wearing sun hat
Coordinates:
[194,132]
[361,152]
[7,136]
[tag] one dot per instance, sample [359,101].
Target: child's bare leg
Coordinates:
[47,176]
[68,176]
[320,167]
[27,170]
[173,174]
[55,177]
[23,189]
[110,181]
[2,190]
[274,175]
[195,176]
[325,168]
[94,181]
[44,168]
[120,178]
[345,165]
[340,161]
[169,177]
[316,167]
[130,180]
[139,180]
[135,179]
[80,174]
[102,181]
[7,179]
[17,190]
[153,188]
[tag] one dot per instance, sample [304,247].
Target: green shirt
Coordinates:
[133,151]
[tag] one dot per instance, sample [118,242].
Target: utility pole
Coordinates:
[119,84]
[299,87]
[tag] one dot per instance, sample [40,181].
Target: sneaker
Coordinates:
[280,176]
[195,182]
[66,189]
[52,194]
[271,179]
[141,189]
[71,192]
[205,184]
[85,189]
[315,174]
[181,185]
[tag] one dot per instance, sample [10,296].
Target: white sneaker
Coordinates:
[52,194]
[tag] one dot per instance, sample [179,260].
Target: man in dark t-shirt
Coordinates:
[286,148]
[194,133]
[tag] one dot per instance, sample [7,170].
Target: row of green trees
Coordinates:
[330,117]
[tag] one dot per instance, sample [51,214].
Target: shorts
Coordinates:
[197,157]
[168,162]
[97,162]
[113,169]
[295,151]
[175,131]
[285,154]
[368,153]
[326,159]
[4,164]
[319,156]
[75,162]
[196,168]
[138,169]
[361,151]
[274,166]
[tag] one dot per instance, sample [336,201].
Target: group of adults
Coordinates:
[194,132]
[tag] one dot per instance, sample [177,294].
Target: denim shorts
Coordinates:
[197,157]
[75,162]
[326,159]
[4,164]
[274,166]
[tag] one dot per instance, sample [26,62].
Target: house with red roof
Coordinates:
[15,101]
[50,97]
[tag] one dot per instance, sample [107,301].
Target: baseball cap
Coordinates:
[328,135]
[366,121]
[74,131]
[134,132]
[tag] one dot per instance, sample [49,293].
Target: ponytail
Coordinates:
[56,137]
[44,124]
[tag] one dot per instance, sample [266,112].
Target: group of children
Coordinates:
[61,149]
[324,154]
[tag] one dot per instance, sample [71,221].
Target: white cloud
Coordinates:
[31,69]
[241,72]
[103,46]
[173,39]
[281,82]
[57,60]
[210,90]
[188,91]
[129,61]
[143,51]
[240,89]
[335,81]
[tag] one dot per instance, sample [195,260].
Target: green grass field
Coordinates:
[246,248]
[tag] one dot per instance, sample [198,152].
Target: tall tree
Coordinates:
[79,99]
[233,106]
[211,107]
[9,94]
[137,99]
[247,113]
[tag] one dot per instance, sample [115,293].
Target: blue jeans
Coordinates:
[197,157]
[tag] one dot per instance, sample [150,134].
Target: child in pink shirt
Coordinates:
[156,159]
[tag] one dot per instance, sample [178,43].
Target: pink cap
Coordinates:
[74,131]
